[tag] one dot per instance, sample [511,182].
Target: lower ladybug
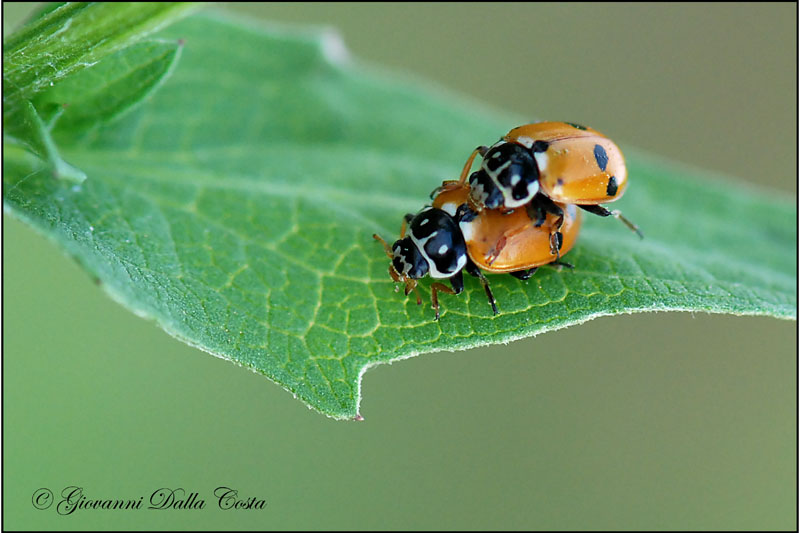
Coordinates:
[434,246]
[511,242]
[449,237]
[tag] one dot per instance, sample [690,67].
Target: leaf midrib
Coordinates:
[320,192]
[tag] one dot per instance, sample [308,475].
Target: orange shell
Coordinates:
[526,246]
[578,165]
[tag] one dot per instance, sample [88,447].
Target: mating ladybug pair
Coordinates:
[514,214]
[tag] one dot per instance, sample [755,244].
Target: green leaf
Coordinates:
[235,207]
[109,89]
[74,36]
[45,66]
[35,135]
[93,95]
[44,9]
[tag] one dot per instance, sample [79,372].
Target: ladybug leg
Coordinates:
[449,185]
[457,282]
[536,213]
[468,165]
[443,187]
[494,253]
[435,289]
[538,209]
[501,243]
[524,274]
[475,271]
[603,212]
[465,213]
[558,264]
[411,285]
[556,237]
[556,241]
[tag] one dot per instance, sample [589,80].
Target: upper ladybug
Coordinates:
[562,162]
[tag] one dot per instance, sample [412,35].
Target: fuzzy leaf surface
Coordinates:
[235,207]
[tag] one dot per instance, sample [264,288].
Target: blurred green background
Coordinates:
[649,421]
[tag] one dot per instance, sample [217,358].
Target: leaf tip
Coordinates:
[64,171]
[333,48]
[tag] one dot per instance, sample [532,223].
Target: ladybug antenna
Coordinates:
[385,246]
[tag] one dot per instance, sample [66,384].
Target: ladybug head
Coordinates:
[407,266]
[509,177]
[407,261]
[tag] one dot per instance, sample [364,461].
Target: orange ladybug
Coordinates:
[509,242]
[544,164]
[575,164]
[448,238]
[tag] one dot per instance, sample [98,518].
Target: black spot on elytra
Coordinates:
[611,189]
[601,157]
[560,181]
[578,126]
[540,146]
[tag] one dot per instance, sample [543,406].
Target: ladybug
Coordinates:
[434,246]
[510,242]
[449,237]
[552,163]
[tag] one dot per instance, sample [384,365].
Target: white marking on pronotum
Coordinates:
[541,161]
[527,142]
[515,179]
[443,249]
[510,202]
[496,172]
